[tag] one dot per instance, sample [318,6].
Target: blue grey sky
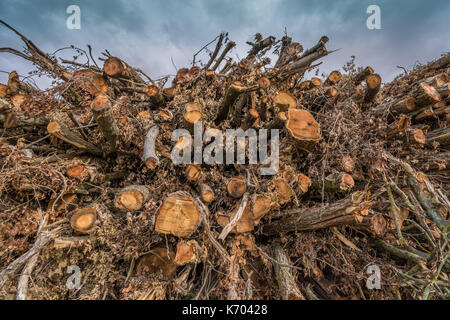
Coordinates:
[148,34]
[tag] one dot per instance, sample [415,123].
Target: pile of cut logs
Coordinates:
[88,178]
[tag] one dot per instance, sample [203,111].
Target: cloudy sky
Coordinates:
[150,34]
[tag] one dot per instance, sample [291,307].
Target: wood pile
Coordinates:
[88,179]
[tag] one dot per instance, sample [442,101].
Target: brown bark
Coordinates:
[230,45]
[107,124]
[373,85]
[63,133]
[287,284]
[425,95]
[149,156]
[441,135]
[231,96]
[343,212]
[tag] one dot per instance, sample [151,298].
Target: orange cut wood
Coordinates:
[284,101]
[178,215]
[303,128]
[131,198]
[83,220]
[236,187]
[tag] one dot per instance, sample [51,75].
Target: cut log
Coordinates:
[83,220]
[158,261]
[402,124]
[180,78]
[193,113]
[252,120]
[375,224]
[245,223]
[107,124]
[91,82]
[287,284]
[206,192]
[360,77]
[304,85]
[236,187]
[62,203]
[333,78]
[63,133]
[282,190]
[169,93]
[178,215]
[316,82]
[284,101]
[117,68]
[441,135]
[402,105]
[149,156]
[444,90]
[339,182]
[431,112]
[278,122]
[193,172]
[331,92]
[187,252]
[348,211]
[426,95]
[373,85]
[154,94]
[114,67]
[303,128]
[231,96]
[132,198]
[417,136]
[437,80]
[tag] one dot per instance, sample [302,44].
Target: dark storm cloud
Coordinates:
[149,33]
